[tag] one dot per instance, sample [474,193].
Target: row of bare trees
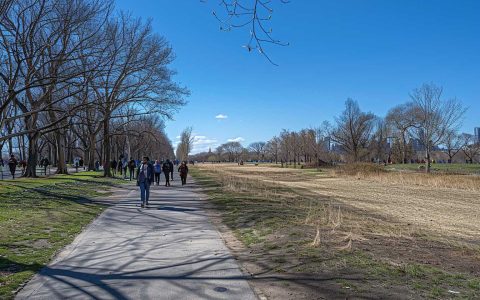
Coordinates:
[426,123]
[79,71]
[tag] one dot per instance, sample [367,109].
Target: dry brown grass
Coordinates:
[404,230]
[438,180]
[446,205]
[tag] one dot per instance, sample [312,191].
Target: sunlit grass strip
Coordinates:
[40,216]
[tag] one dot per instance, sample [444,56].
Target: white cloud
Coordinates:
[237,139]
[221,117]
[202,143]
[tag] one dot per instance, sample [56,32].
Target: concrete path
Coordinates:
[168,251]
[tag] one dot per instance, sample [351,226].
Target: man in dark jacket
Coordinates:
[12,165]
[131,167]
[45,164]
[166,170]
[144,180]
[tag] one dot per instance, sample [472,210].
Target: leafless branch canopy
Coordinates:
[253,14]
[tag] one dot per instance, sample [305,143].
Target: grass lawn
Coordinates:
[277,224]
[40,216]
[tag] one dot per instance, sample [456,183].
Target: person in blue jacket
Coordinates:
[157,167]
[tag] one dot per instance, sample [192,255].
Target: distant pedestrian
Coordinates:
[158,171]
[144,180]
[171,168]
[81,163]
[113,166]
[12,165]
[45,164]
[97,166]
[131,167]
[183,170]
[166,171]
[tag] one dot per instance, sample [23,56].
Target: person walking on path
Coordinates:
[183,170]
[166,171]
[12,165]
[120,166]
[171,168]
[157,167]
[113,166]
[131,167]
[97,166]
[45,164]
[144,180]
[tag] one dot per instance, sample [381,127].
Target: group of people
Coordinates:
[13,163]
[148,174]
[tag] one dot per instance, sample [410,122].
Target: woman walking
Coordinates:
[158,171]
[144,180]
[183,170]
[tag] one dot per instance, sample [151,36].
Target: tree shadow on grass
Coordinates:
[9,267]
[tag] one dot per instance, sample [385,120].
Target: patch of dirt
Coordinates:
[41,243]
[399,251]
[270,281]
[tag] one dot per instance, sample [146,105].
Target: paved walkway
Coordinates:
[168,251]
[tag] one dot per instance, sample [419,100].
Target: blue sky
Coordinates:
[373,51]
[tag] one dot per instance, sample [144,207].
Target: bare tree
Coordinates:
[435,117]
[273,148]
[40,40]
[379,142]
[233,150]
[353,130]
[402,118]
[136,76]
[470,147]
[453,144]
[258,148]
[185,146]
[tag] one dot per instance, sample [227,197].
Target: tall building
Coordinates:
[477,134]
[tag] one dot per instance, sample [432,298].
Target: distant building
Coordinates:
[477,134]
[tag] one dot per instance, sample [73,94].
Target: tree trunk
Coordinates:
[60,150]
[31,170]
[106,148]
[91,154]
[427,163]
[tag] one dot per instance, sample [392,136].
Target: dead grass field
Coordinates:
[416,234]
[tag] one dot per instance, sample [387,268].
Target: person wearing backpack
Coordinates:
[158,171]
[166,171]
[144,180]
